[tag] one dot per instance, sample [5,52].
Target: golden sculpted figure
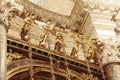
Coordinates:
[75,50]
[92,51]
[10,57]
[13,56]
[57,64]
[46,30]
[93,48]
[29,21]
[88,76]
[59,42]
[78,40]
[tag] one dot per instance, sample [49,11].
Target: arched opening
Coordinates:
[20,70]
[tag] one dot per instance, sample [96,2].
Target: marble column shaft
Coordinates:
[3,51]
[112,71]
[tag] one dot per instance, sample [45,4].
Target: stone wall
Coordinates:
[76,16]
[45,14]
[88,28]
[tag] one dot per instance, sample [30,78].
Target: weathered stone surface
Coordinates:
[112,71]
[3,50]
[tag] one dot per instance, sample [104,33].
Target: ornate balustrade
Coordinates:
[43,54]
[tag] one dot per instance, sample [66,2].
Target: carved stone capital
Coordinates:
[4,25]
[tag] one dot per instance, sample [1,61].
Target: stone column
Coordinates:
[111,60]
[111,55]
[3,51]
[112,71]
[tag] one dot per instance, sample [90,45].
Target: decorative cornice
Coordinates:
[107,7]
[114,3]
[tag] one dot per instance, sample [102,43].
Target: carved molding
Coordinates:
[23,65]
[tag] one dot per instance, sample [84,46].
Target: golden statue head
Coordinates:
[48,22]
[32,16]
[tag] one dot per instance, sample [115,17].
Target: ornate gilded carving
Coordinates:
[57,64]
[95,48]
[88,76]
[91,53]
[59,42]
[29,21]
[46,30]
[9,56]
[12,56]
[78,40]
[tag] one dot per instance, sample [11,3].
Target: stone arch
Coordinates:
[22,65]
